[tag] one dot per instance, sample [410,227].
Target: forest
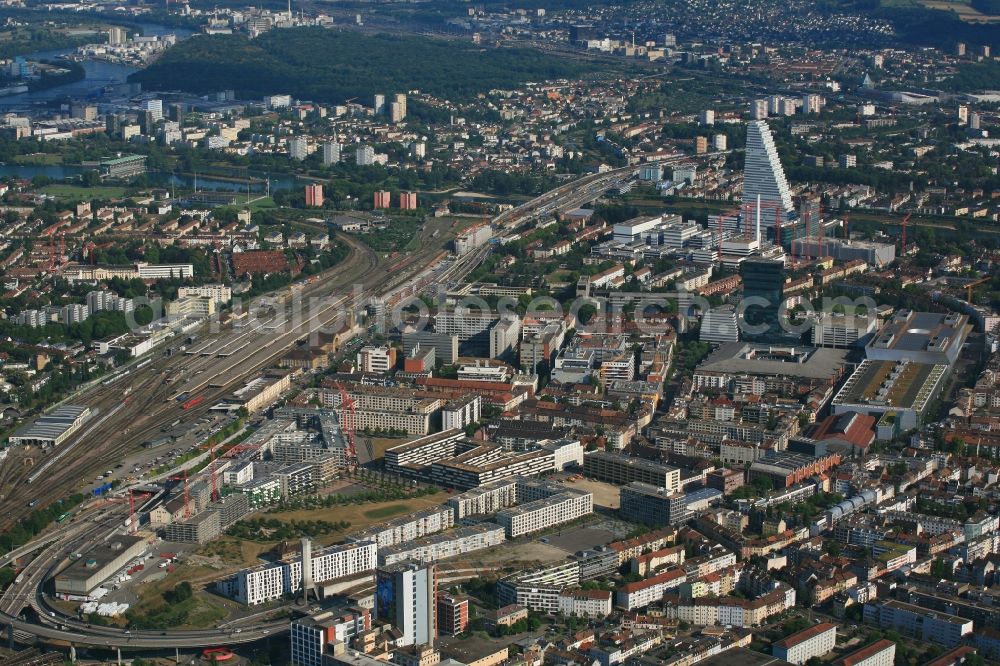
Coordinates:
[330,67]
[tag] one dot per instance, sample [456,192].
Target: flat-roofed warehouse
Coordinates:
[922,337]
[772,362]
[53,428]
[98,564]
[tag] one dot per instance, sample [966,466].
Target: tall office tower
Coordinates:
[811,213]
[418,149]
[811,103]
[381,199]
[400,98]
[314,195]
[669,40]
[762,279]
[298,148]
[963,114]
[405,595]
[364,156]
[960,49]
[379,105]
[177,112]
[116,36]
[331,153]
[975,120]
[774,104]
[155,107]
[113,124]
[396,112]
[707,117]
[148,122]
[700,145]
[758,109]
[763,175]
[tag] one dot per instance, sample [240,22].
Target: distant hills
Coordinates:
[330,66]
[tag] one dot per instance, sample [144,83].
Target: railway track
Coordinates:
[126,421]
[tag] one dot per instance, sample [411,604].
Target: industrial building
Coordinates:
[98,564]
[53,428]
[786,469]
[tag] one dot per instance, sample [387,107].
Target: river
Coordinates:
[97,75]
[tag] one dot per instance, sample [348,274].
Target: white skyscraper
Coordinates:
[331,153]
[397,112]
[154,107]
[364,156]
[763,175]
[298,148]
[405,595]
[379,104]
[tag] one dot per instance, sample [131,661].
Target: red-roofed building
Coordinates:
[882,653]
[259,261]
[850,433]
[802,646]
[644,592]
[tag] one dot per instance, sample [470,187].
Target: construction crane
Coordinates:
[970,286]
[905,223]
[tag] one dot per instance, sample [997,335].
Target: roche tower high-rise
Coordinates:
[763,175]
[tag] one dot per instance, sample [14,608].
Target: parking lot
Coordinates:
[166,450]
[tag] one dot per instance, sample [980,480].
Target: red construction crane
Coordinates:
[348,422]
[906,222]
[62,246]
[847,220]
